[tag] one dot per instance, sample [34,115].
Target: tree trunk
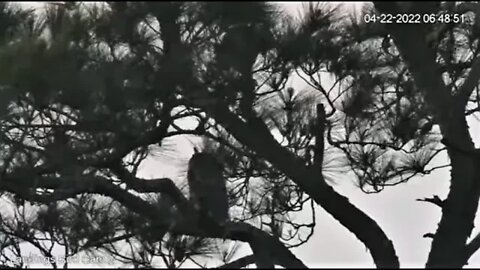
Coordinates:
[458,212]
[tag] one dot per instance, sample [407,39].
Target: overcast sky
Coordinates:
[403,219]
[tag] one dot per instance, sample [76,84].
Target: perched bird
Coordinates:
[208,191]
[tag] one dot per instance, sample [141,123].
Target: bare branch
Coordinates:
[435,200]
[472,247]
[429,235]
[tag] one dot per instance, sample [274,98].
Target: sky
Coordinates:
[403,219]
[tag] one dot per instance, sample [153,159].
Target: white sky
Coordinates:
[403,219]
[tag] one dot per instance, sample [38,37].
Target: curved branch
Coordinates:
[257,137]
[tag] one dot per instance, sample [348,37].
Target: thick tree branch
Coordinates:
[469,84]
[472,247]
[462,202]
[257,137]
[159,185]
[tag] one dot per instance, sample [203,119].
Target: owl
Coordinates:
[208,192]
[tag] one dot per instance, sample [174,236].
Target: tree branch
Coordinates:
[469,84]
[159,185]
[320,137]
[429,235]
[124,147]
[257,137]
[435,200]
[188,223]
[239,263]
[472,247]
[462,202]
[165,185]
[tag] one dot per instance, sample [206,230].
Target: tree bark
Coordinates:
[458,212]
